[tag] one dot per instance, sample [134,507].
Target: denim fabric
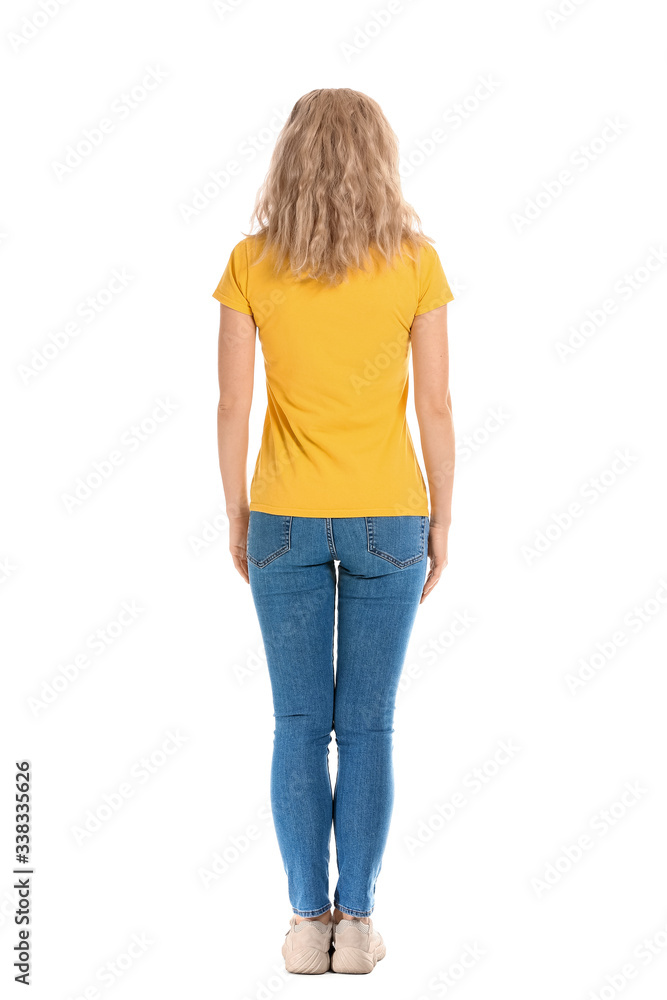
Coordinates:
[376,567]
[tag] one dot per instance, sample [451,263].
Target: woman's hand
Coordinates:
[238,542]
[437,553]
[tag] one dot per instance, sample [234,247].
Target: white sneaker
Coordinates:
[357,946]
[307,945]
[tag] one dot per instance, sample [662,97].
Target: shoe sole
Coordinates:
[355,961]
[308,961]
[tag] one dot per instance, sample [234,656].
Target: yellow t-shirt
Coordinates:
[335,442]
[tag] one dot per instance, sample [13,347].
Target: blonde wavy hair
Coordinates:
[332,193]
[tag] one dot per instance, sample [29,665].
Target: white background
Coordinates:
[190,660]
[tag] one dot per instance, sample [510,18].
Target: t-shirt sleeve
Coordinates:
[434,288]
[232,289]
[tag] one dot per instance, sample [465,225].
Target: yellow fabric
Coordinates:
[335,442]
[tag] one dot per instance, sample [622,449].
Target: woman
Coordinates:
[340,282]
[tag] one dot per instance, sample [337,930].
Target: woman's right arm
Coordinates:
[433,406]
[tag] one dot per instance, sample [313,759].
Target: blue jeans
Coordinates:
[382,564]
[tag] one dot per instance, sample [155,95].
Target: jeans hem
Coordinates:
[352,913]
[312,913]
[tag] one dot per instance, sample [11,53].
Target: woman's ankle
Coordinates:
[338,915]
[323,917]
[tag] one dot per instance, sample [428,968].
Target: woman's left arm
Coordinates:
[236,367]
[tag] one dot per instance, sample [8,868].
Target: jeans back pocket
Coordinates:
[401,539]
[269,536]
